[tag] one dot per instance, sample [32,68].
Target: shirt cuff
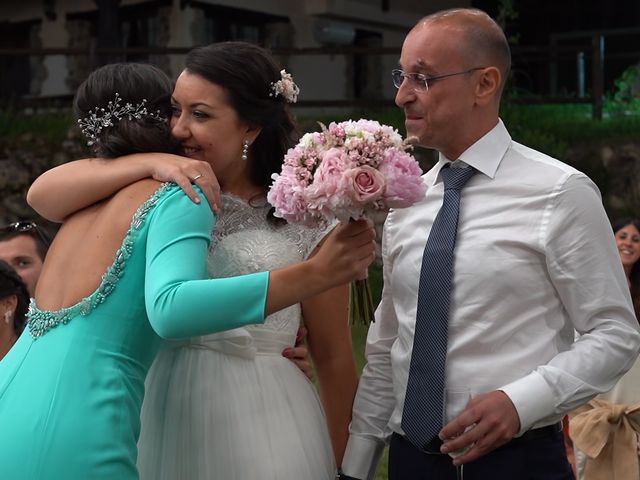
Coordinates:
[532,398]
[361,457]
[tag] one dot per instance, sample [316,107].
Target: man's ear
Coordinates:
[488,85]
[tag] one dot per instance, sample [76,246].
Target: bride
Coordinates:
[230,405]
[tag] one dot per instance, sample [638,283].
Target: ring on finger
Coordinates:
[197,177]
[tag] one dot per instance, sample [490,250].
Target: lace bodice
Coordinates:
[244,241]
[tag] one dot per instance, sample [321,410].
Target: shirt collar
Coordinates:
[485,155]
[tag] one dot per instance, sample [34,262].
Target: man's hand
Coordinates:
[490,421]
[299,354]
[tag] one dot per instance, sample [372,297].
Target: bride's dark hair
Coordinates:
[134,83]
[246,71]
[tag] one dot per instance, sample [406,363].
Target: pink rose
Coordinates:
[366,184]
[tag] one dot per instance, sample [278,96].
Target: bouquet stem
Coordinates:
[360,302]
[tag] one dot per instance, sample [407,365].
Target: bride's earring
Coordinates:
[245,150]
[8,317]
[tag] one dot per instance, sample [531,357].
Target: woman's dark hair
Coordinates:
[634,275]
[12,284]
[134,83]
[246,71]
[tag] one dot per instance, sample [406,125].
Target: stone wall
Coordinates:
[622,163]
[21,163]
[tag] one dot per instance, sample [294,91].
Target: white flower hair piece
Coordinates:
[99,118]
[285,87]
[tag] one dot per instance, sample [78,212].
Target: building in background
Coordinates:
[340,51]
[294,29]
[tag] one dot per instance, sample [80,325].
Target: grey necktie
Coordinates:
[423,406]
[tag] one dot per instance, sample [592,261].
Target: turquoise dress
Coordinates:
[71,388]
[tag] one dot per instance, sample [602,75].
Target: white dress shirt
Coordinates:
[535,259]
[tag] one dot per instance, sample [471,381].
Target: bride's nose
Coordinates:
[179,127]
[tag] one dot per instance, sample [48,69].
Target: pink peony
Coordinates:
[405,185]
[328,176]
[333,163]
[324,194]
[287,193]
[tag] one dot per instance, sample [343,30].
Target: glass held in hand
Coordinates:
[456,400]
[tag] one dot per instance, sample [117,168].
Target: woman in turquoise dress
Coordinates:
[121,275]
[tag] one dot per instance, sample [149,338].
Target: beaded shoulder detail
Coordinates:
[41,321]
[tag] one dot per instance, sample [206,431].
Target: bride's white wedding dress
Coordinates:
[229,406]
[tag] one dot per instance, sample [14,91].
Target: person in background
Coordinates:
[627,233]
[606,431]
[14,303]
[485,282]
[24,245]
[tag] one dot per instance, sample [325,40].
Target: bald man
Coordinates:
[531,259]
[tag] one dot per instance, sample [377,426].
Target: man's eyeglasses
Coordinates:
[28,227]
[419,82]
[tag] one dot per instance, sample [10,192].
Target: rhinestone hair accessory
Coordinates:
[100,118]
[285,87]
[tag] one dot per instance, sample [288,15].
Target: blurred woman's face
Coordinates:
[628,241]
[207,126]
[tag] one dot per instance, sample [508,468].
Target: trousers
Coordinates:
[538,456]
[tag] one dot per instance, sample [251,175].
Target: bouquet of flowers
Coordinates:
[350,170]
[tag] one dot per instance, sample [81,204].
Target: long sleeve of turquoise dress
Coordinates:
[72,386]
[179,306]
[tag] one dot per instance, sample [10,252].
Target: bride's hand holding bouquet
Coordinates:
[348,171]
